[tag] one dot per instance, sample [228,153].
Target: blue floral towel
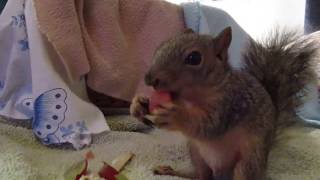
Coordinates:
[34,85]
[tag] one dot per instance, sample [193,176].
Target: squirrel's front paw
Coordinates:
[164,116]
[139,107]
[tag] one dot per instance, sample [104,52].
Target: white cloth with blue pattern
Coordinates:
[34,85]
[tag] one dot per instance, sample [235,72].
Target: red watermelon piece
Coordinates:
[157,98]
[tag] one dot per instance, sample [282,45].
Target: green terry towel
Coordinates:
[295,156]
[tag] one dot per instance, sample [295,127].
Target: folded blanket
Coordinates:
[113,41]
[24,158]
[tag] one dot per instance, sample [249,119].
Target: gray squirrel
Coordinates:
[230,117]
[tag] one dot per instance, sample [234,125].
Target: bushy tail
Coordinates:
[283,65]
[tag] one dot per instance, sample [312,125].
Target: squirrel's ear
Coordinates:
[188,30]
[222,42]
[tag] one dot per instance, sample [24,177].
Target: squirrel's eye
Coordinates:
[194,58]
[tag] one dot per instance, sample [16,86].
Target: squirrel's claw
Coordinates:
[163,170]
[139,107]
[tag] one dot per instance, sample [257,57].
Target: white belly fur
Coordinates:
[220,153]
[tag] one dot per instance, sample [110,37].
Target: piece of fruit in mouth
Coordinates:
[158,98]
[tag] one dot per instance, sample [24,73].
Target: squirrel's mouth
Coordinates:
[174,95]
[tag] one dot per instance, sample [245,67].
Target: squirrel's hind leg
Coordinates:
[169,171]
[252,166]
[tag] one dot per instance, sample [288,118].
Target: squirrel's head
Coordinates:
[190,60]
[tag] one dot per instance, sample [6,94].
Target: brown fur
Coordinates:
[230,117]
[282,64]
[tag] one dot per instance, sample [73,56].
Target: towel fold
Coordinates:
[111,41]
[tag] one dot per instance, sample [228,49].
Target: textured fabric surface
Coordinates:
[113,41]
[22,157]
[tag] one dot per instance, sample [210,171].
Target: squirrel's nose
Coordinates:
[151,81]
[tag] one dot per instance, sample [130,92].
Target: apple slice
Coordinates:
[112,172]
[84,166]
[108,172]
[157,98]
[119,163]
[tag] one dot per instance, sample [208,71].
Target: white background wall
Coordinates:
[258,16]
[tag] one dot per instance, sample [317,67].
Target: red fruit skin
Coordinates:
[89,155]
[157,98]
[107,172]
[84,170]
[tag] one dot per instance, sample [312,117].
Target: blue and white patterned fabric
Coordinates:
[34,86]
[211,20]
